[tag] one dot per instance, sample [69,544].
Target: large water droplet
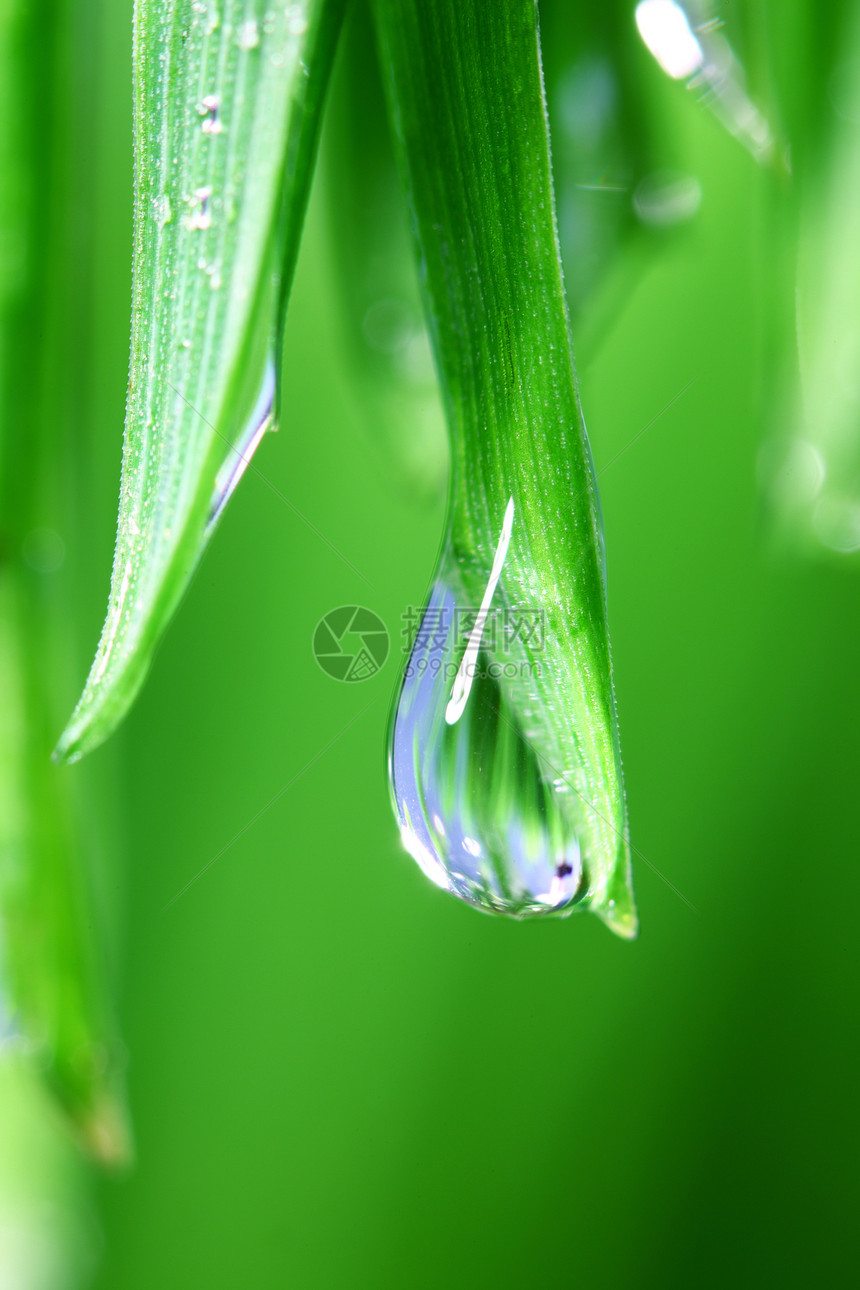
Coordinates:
[482,808]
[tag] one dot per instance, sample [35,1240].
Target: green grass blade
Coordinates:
[53,994]
[227,100]
[810,465]
[55,1014]
[468,107]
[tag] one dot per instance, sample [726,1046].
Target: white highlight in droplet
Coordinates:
[466,671]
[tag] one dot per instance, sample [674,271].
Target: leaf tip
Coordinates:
[619,911]
[105,1132]
[71,745]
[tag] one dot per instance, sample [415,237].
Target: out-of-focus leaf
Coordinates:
[810,460]
[466,95]
[53,996]
[227,100]
[602,138]
[825,453]
[54,1010]
[687,40]
[387,347]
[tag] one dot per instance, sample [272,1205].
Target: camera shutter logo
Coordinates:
[351,643]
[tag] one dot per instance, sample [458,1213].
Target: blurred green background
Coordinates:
[338,1076]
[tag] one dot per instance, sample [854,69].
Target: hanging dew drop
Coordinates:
[478,804]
